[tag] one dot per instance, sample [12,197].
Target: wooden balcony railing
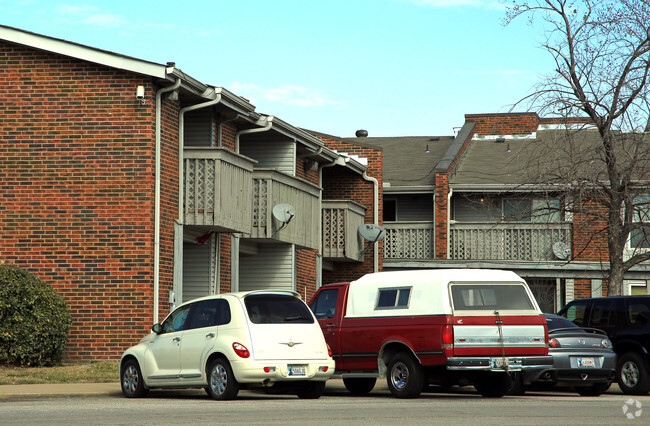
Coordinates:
[271,188]
[506,241]
[408,240]
[341,221]
[218,189]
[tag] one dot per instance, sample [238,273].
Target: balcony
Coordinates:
[341,221]
[271,188]
[506,241]
[218,189]
[408,240]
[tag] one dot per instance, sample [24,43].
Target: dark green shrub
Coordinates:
[34,320]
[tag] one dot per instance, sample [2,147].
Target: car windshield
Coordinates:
[277,309]
[555,322]
[490,297]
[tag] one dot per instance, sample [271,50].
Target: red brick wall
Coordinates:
[228,131]
[441,201]
[76,205]
[581,288]
[306,273]
[343,184]
[504,124]
[590,234]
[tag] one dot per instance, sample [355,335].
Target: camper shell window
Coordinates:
[490,297]
[393,298]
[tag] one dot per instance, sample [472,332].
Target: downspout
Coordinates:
[376,216]
[181,145]
[156,238]
[449,194]
[269,124]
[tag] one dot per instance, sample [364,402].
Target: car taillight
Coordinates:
[606,343]
[553,343]
[241,350]
[448,337]
[329,351]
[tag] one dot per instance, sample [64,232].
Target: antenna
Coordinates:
[371,233]
[561,250]
[283,213]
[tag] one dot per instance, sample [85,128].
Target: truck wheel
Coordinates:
[360,386]
[493,385]
[596,389]
[631,375]
[518,387]
[310,390]
[222,384]
[405,376]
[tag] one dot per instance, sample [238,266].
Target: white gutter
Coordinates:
[449,194]
[269,124]
[156,238]
[181,145]
[376,216]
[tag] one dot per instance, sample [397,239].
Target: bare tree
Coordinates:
[602,64]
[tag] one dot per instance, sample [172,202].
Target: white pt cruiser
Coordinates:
[230,341]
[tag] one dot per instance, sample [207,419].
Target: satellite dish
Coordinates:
[283,213]
[561,250]
[372,232]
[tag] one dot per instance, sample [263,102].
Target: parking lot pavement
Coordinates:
[334,386]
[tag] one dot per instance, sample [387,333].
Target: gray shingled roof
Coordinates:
[548,158]
[405,162]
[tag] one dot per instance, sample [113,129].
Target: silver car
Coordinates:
[583,358]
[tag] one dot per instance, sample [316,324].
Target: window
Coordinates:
[600,313]
[640,237]
[638,313]
[176,320]
[393,298]
[277,309]
[325,304]
[390,210]
[209,313]
[576,312]
[517,209]
[490,297]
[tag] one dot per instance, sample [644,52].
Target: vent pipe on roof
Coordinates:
[361,133]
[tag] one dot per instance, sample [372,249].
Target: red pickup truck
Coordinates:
[442,327]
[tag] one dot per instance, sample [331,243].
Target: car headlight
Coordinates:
[606,343]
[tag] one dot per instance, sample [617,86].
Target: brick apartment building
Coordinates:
[131,187]
[469,200]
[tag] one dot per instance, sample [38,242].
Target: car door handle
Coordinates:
[329,325]
[210,335]
[176,339]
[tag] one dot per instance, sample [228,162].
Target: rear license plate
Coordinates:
[297,370]
[586,363]
[498,362]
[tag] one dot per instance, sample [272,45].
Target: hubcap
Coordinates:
[630,374]
[218,379]
[130,379]
[399,375]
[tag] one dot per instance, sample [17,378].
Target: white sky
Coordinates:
[392,67]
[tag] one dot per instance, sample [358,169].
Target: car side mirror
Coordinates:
[157,328]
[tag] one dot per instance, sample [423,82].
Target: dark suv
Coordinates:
[626,319]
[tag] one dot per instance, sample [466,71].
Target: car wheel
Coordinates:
[131,380]
[222,384]
[493,385]
[310,390]
[631,375]
[596,389]
[518,387]
[405,376]
[360,386]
